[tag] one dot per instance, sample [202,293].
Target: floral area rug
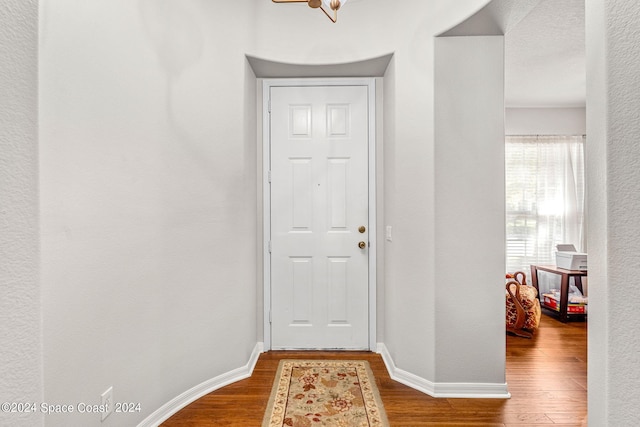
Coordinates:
[335,393]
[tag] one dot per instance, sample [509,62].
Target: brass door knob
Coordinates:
[362,245]
[362,229]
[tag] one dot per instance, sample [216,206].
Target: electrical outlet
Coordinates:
[388,233]
[107,403]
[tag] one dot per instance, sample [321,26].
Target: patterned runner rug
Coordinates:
[335,393]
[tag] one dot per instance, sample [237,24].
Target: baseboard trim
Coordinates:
[174,405]
[442,390]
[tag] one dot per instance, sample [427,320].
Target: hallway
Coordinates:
[547,379]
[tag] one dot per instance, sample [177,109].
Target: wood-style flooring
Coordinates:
[546,375]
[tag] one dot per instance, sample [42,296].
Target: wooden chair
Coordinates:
[523,307]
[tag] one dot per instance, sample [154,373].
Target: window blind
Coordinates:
[545,198]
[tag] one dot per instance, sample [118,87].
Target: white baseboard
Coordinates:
[174,405]
[449,390]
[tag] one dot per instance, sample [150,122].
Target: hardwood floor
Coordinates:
[547,378]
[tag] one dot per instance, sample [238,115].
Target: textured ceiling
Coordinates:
[545,57]
[498,17]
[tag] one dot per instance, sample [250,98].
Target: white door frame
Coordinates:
[267,84]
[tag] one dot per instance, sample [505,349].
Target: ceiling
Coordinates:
[545,57]
[544,49]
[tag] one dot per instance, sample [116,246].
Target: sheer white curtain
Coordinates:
[545,198]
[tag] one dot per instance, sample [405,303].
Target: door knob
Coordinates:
[362,245]
[362,229]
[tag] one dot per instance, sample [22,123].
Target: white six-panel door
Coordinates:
[319,216]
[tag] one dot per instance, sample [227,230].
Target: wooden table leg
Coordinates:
[564,297]
[534,280]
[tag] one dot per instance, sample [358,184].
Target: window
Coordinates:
[545,198]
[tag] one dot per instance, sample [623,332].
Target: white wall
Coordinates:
[469,207]
[20,331]
[122,190]
[546,121]
[613,129]
[366,30]
[148,199]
